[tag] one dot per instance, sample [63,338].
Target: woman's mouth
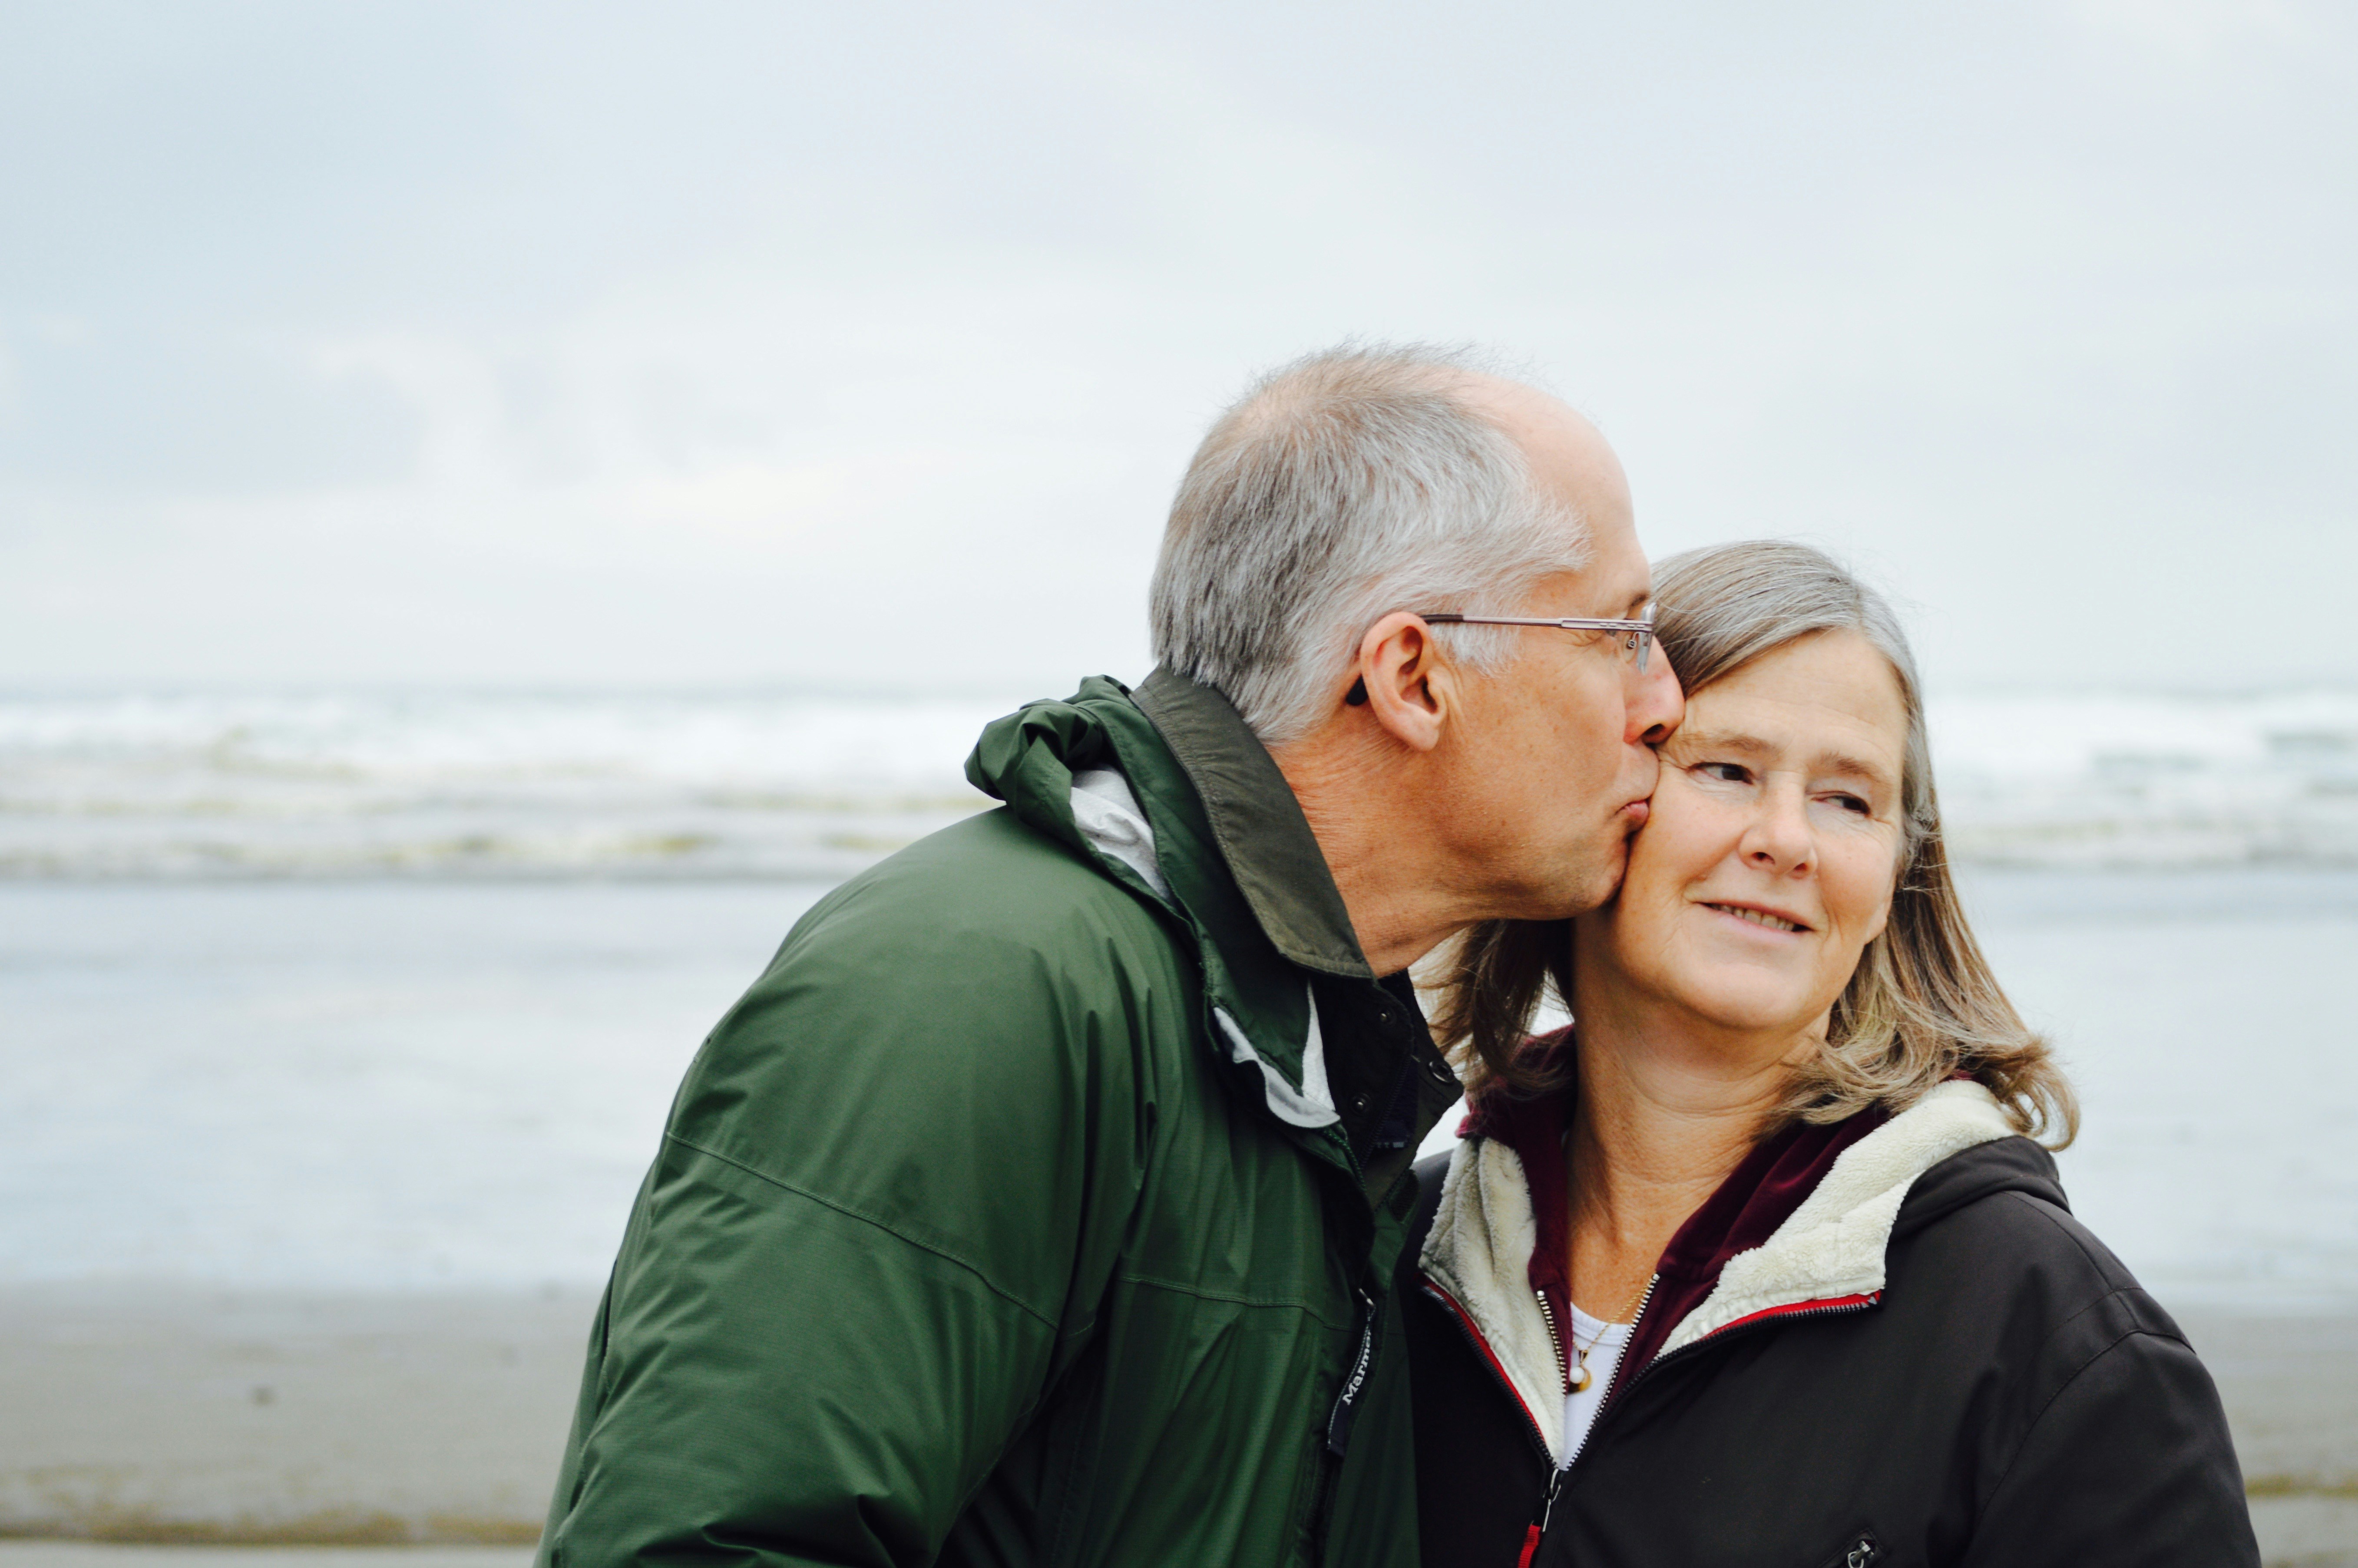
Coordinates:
[1758,916]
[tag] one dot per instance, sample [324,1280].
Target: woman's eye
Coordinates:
[1852,802]
[1727,772]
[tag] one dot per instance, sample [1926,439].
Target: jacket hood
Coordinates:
[1095,772]
[2001,1165]
[1803,1225]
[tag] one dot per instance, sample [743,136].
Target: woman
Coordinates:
[1758,1263]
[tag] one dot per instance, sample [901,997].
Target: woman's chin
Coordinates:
[1751,1010]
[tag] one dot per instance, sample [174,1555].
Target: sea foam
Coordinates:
[814,787]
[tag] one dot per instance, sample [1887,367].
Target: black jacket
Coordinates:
[2010,1397]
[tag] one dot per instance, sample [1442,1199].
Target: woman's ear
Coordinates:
[1404,681]
[1904,859]
[1876,927]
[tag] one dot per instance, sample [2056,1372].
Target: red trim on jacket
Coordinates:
[1829,1304]
[1473,1332]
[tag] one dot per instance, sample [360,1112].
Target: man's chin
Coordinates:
[1609,882]
[1592,885]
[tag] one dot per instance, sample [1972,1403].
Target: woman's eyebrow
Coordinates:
[1844,763]
[1747,745]
[1726,741]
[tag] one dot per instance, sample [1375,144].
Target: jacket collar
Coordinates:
[1099,749]
[1803,1224]
[1270,851]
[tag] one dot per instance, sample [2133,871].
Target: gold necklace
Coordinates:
[1577,1379]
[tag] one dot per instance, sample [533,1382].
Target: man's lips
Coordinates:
[1636,813]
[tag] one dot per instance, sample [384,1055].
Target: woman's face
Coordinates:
[1769,861]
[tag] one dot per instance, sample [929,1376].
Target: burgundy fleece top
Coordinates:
[1758,1196]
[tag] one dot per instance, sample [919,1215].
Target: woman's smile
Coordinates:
[1759,917]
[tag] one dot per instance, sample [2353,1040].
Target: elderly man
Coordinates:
[1041,1203]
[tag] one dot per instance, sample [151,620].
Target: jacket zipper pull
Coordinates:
[1537,1527]
[1338,1420]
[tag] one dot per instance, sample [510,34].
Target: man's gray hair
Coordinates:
[1344,486]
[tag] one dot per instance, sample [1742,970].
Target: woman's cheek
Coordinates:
[1858,887]
[1695,829]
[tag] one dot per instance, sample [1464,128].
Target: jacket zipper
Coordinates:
[1355,1379]
[1537,1527]
[1338,1423]
[1865,1550]
[1537,1531]
[1653,1282]
[1555,1339]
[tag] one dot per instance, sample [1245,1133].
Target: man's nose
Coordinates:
[1657,705]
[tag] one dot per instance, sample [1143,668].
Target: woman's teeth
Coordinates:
[1756,917]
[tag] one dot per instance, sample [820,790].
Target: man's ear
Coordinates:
[1405,682]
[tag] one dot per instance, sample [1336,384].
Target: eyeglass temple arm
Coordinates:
[1451,618]
[1643,631]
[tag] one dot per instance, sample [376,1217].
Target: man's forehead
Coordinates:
[1619,570]
[1572,458]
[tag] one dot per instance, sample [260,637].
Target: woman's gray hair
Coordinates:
[1342,487]
[1923,1004]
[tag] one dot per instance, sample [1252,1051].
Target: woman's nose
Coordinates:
[1778,838]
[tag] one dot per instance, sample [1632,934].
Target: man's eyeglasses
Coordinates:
[1636,636]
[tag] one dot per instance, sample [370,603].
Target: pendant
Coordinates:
[1579,1379]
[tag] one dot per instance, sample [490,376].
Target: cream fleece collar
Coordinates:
[1479,1252]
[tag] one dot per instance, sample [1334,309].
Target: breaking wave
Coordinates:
[767,785]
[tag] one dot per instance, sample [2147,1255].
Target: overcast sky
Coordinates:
[862,344]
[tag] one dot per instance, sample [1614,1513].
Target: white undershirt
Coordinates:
[1580,1409]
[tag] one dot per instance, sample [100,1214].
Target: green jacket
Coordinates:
[1027,1210]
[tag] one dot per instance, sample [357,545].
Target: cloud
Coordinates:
[2193,31]
[504,343]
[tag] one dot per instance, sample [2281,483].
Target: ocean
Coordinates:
[211,785]
[389,991]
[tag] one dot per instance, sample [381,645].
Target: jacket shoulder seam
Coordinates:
[851,1212]
[2054,1218]
[2098,1353]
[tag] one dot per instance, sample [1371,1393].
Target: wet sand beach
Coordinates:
[190,1420]
[305,1189]
[2290,1386]
[112,1555]
[170,1415]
